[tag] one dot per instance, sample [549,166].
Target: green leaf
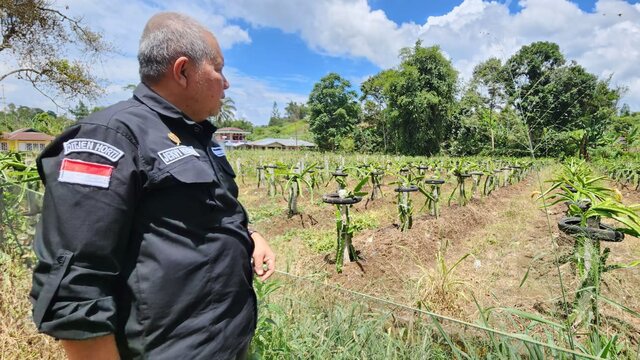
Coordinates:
[624,266]
[532,317]
[620,306]
[526,275]
[604,353]
[363,181]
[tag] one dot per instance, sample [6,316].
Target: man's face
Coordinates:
[208,90]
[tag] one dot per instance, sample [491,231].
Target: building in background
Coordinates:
[284,144]
[231,137]
[26,139]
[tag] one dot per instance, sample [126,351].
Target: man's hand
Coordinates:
[98,348]
[264,260]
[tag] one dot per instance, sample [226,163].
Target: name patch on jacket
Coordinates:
[218,151]
[174,154]
[103,149]
[85,173]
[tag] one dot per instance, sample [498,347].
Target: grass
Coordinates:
[318,241]
[298,129]
[19,338]
[328,326]
[264,212]
[302,319]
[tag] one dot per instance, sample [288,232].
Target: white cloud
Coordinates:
[124,26]
[335,27]
[254,97]
[606,41]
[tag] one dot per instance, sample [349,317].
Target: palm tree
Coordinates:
[227,112]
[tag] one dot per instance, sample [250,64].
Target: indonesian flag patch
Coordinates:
[85,173]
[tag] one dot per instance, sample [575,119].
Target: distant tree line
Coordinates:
[15,117]
[292,112]
[535,102]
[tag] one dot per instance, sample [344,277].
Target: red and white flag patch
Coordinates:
[85,173]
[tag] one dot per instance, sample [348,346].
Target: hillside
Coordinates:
[299,129]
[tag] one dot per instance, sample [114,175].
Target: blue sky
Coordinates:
[276,50]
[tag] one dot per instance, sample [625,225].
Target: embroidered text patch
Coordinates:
[176,153]
[103,149]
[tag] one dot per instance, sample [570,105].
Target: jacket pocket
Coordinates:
[193,172]
[188,171]
[50,288]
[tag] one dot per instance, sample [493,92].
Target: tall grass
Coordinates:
[301,319]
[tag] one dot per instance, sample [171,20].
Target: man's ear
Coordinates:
[179,71]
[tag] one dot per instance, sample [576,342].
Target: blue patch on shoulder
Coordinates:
[218,151]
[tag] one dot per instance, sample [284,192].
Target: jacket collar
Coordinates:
[157,103]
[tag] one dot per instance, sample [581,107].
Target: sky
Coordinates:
[276,50]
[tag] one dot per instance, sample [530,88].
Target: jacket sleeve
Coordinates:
[91,184]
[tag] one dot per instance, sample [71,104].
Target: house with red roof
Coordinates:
[231,136]
[26,139]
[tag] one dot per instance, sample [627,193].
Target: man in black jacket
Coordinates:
[143,247]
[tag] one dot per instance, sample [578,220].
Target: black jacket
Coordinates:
[142,236]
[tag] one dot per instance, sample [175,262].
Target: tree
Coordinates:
[422,98]
[227,116]
[236,123]
[526,75]
[19,117]
[48,123]
[333,111]
[597,112]
[295,112]
[487,83]
[36,39]
[625,110]
[275,119]
[227,111]
[560,103]
[375,130]
[81,111]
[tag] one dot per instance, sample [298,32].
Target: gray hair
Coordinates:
[166,37]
